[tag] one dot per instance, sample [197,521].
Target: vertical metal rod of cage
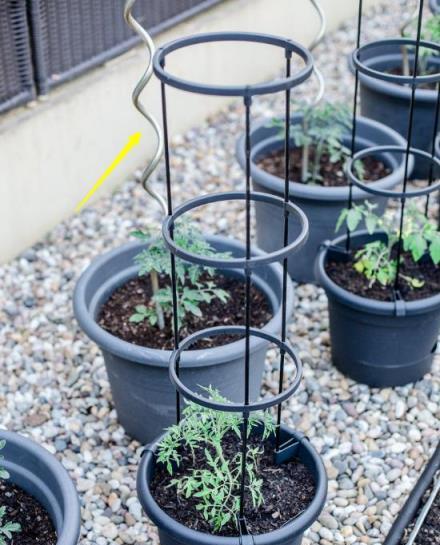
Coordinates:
[354,117]
[248,280]
[285,243]
[433,150]
[172,256]
[408,143]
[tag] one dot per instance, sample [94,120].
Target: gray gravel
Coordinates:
[54,387]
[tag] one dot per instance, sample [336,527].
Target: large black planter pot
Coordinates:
[374,342]
[322,205]
[142,392]
[172,532]
[389,103]
[41,475]
[413,503]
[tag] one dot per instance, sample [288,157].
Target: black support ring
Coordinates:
[389,192]
[282,84]
[234,407]
[235,263]
[393,78]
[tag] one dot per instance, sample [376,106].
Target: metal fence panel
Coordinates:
[16,76]
[72,36]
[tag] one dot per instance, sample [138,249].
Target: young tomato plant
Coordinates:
[375,260]
[6,528]
[216,487]
[191,289]
[430,33]
[323,128]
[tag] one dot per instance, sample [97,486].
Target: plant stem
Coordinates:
[405,61]
[155,286]
[305,156]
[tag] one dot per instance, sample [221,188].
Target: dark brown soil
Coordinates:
[36,526]
[344,274]
[115,314]
[430,532]
[287,489]
[332,173]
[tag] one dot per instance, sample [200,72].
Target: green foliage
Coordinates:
[191,290]
[216,486]
[6,528]
[430,33]
[323,127]
[374,260]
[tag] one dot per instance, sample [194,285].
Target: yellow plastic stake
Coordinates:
[133,141]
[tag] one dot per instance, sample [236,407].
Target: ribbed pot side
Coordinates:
[40,474]
[144,397]
[378,343]
[172,532]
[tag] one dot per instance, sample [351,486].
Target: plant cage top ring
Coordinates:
[234,407]
[282,84]
[394,78]
[435,161]
[236,263]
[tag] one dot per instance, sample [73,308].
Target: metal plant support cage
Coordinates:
[248,263]
[414,81]
[157,65]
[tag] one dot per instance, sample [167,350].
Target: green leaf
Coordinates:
[354,216]
[434,249]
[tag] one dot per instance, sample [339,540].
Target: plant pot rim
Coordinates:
[312,192]
[401,92]
[364,304]
[296,526]
[69,531]
[157,357]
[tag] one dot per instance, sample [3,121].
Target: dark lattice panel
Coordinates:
[16,80]
[72,36]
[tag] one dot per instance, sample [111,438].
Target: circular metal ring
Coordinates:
[393,78]
[274,86]
[187,393]
[389,192]
[235,263]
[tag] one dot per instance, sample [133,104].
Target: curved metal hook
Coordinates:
[140,86]
[413,17]
[317,40]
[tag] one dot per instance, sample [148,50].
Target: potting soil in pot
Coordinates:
[430,532]
[287,490]
[345,275]
[116,312]
[21,508]
[331,173]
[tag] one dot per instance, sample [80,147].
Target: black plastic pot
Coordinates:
[322,205]
[172,532]
[41,475]
[142,392]
[409,510]
[374,342]
[389,103]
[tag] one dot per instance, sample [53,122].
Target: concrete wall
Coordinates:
[52,153]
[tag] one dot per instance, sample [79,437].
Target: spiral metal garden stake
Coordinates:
[140,86]
[316,41]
